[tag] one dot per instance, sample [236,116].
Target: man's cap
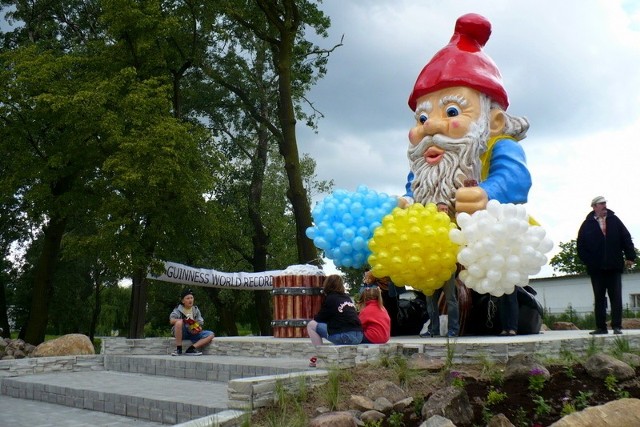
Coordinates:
[597,200]
[463,63]
[185,292]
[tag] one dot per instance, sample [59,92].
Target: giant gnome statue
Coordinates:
[462,130]
[464,136]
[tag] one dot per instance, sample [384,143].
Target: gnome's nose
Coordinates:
[434,126]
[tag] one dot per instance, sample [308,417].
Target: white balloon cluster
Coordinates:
[499,249]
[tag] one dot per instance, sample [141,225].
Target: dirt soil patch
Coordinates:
[568,388]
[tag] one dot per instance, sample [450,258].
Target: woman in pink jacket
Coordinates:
[375,320]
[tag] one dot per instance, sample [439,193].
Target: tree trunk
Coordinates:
[96,308]
[5,330]
[264,312]
[226,312]
[260,239]
[43,281]
[138,306]
[297,195]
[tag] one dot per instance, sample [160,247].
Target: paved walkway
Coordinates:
[25,412]
[155,387]
[31,413]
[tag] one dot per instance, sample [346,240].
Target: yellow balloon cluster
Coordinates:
[412,247]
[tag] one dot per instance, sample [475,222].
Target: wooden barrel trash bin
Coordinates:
[296,299]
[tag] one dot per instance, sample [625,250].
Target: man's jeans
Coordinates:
[453,312]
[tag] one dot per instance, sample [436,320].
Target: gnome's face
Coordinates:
[451,132]
[449,112]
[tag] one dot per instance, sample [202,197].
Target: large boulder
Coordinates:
[602,365]
[437,421]
[449,402]
[565,326]
[522,366]
[66,345]
[499,420]
[334,419]
[632,323]
[618,413]
[387,389]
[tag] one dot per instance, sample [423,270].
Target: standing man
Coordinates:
[603,244]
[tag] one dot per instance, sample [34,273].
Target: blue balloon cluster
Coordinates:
[344,223]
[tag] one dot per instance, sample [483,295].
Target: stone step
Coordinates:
[150,397]
[204,368]
[246,346]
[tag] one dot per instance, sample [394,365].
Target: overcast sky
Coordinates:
[571,67]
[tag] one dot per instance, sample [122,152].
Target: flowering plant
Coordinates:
[536,380]
[457,379]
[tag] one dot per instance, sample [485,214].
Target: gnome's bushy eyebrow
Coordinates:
[458,99]
[424,106]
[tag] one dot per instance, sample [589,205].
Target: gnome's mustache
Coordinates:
[442,141]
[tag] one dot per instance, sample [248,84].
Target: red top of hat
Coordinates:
[462,63]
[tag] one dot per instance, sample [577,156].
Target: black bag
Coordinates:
[412,313]
[485,315]
[530,311]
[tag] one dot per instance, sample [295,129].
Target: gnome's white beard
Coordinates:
[460,161]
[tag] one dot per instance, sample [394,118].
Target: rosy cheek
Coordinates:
[455,124]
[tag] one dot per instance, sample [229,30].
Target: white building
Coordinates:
[557,293]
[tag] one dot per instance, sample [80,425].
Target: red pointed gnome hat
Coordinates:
[462,63]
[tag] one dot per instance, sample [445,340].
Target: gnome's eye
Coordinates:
[423,117]
[453,111]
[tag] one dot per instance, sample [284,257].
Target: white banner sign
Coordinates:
[178,273]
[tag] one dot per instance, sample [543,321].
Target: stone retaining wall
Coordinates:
[251,393]
[40,365]
[461,351]
[344,356]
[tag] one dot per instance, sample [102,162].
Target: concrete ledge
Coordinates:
[40,365]
[229,418]
[465,349]
[259,347]
[251,393]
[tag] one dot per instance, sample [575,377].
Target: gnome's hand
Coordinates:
[404,202]
[470,199]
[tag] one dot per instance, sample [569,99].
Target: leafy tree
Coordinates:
[568,262]
[241,98]
[10,225]
[93,140]
[296,64]
[161,43]
[50,153]
[114,310]
[81,277]
[103,120]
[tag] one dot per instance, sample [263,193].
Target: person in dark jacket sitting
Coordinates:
[603,244]
[337,320]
